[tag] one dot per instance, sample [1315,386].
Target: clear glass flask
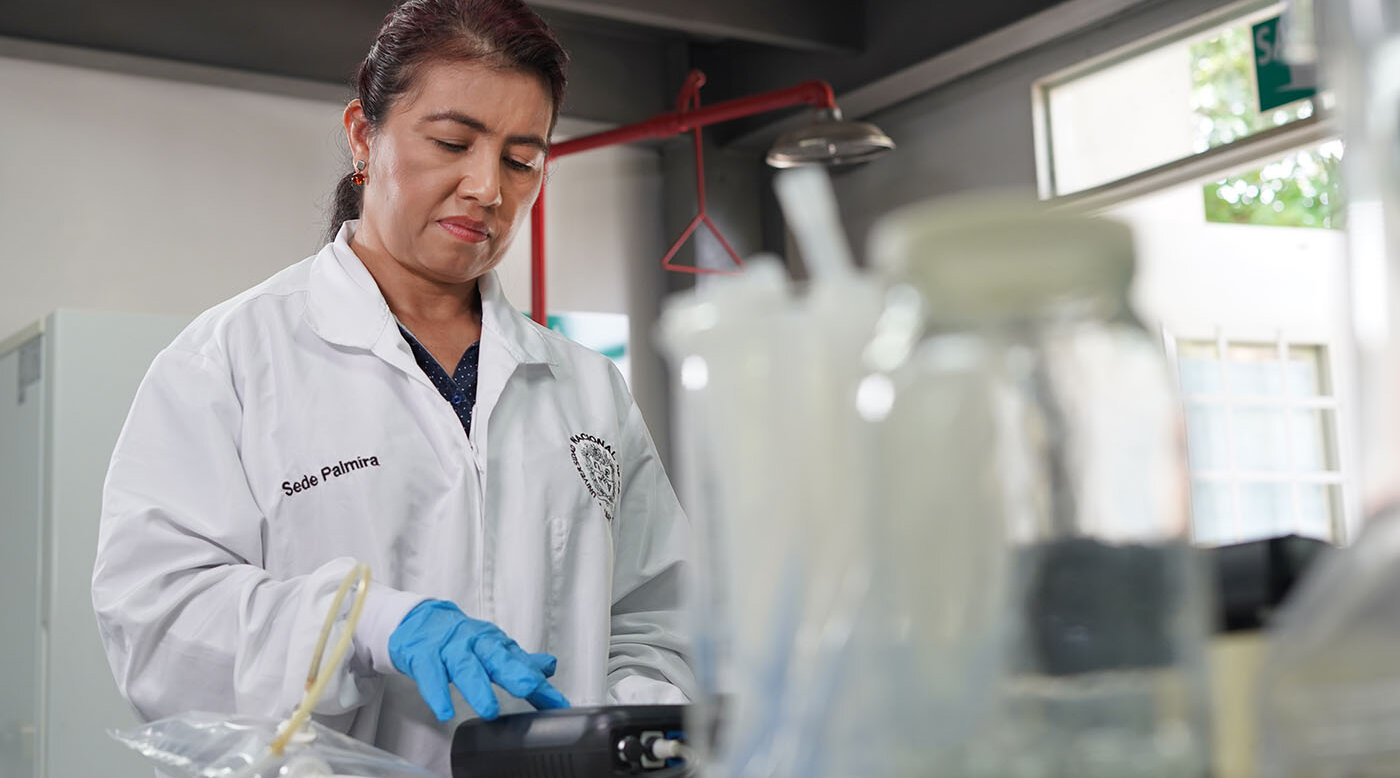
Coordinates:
[774,488]
[1044,613]
[724,341]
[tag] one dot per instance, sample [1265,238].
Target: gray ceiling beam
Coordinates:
[906,32]
[302,47]
[862,100]
[805,25]
[1069,17]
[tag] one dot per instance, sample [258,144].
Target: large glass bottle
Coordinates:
[1044,613]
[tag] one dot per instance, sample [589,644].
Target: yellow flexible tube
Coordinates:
[319,677]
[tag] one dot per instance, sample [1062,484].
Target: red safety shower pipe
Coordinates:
[817,94]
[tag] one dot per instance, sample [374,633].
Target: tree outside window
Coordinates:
[1303,189]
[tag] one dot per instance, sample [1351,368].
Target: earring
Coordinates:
[358,179]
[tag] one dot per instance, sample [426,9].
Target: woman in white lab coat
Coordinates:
[381,401]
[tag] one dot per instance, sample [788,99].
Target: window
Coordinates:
[1261,421]
[1166,105]
[1301,188]
[1237,216]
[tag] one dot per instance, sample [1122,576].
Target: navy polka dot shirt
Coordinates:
[458,389]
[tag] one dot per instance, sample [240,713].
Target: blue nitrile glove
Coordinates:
[436,641]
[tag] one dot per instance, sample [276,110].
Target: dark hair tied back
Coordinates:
[504,32]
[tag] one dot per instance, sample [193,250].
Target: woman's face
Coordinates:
[455,168]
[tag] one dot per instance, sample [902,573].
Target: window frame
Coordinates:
[1201,167]
[1343,505]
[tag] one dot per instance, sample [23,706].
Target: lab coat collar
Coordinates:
[520,336]
[346,307]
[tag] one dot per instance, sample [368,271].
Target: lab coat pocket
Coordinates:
[580,565]
[558,618]
[560,528]
[580,602]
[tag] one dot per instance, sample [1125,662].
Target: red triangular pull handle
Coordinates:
[689,99]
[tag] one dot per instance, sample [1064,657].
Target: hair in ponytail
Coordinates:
[345,204]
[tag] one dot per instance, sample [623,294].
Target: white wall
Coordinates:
[1250,282]
[136,194]
[133,193]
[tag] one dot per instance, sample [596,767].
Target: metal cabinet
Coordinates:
[66,384]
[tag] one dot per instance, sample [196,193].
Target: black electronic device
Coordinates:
[597,742]
[1254,579]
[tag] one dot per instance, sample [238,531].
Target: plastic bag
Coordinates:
[217,745]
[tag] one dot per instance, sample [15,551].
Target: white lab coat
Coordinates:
[212,580]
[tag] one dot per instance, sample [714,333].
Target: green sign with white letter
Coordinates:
[1279,82]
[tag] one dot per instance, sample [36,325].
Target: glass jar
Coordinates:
[1044,611]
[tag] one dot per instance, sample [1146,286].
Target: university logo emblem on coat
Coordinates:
[597,466]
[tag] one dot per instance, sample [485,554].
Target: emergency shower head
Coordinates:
[830,140]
